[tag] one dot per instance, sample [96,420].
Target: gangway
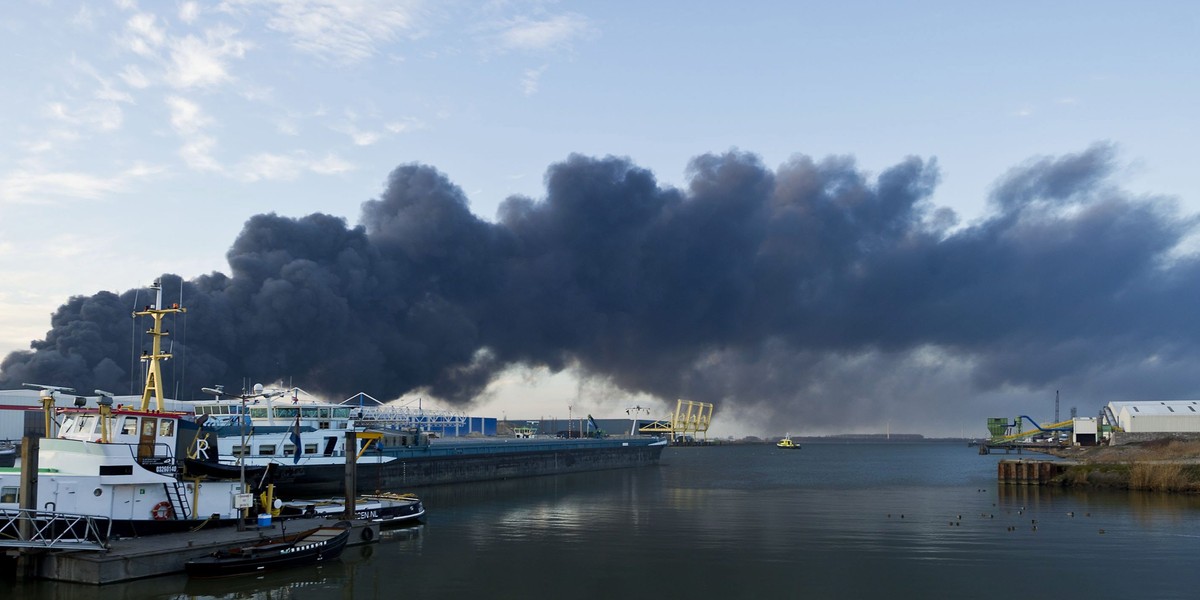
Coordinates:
[33,530]
[402,414]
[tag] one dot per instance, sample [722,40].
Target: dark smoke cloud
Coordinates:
[814,287]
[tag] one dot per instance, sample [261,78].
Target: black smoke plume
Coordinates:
[813,288]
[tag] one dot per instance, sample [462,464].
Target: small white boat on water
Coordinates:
[386,509]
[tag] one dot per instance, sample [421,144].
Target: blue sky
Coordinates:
[140,136]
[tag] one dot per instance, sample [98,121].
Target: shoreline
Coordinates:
[1158,466]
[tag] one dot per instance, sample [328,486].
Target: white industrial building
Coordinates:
[20,410]
[1160,416]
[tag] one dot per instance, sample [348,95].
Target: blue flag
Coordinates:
[296,439]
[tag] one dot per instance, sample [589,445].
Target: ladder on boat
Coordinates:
[177,495]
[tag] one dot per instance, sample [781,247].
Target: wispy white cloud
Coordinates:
[51,139]
[364,138]
[144,35]
[102,116]
[339,30]
[197,153]
[188,12]
[197,62]
[101,112]
[134,78]
[31,186]
[189,120]
[530,80]
[84,18]
[287,126]
[405,125]
[535,35]
[330,165]
[280,167]
[186,116]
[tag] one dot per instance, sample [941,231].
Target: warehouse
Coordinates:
[1165,416]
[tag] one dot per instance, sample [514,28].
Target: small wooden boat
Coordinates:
[387,509]
[787,443]
[294,550]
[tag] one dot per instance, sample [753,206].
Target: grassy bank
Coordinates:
[1160,466]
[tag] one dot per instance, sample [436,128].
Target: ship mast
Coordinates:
[153,370]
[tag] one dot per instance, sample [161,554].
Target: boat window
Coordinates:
[324,413]
[8,494]
[258,413]
[343,425]
[310,448]
[129,426]
[309,412]
[85,423]
[67,424]
[286,412]
[323,425]
[341,413]
[239,450]
[166,428]
[289,449]
[266,450]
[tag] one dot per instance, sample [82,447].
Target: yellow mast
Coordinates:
[153,371]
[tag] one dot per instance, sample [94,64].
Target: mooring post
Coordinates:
[351,474]
[27,566]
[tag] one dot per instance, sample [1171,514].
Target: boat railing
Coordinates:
[34,529]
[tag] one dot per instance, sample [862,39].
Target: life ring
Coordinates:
[162,511]
[367,534]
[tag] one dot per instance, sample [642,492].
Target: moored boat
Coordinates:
[304,443]
[305,548]
[119,462]
[787,443]
[387,509]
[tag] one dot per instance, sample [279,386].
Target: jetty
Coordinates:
[91,561]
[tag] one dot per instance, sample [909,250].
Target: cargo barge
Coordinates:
[457,461]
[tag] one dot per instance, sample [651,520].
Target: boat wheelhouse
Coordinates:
[115,461]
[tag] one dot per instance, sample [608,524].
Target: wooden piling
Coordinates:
[1028,472]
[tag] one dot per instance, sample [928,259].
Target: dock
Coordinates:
[127,559]
[1029,472]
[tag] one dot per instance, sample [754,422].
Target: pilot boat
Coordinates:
[787,443]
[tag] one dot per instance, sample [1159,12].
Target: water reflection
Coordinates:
[829,521]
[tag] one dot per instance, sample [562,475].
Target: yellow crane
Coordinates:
[690,417]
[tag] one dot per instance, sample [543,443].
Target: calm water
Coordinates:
[828,521]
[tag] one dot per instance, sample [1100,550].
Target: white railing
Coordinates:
[25,528]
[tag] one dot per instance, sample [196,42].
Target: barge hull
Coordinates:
[461,463]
